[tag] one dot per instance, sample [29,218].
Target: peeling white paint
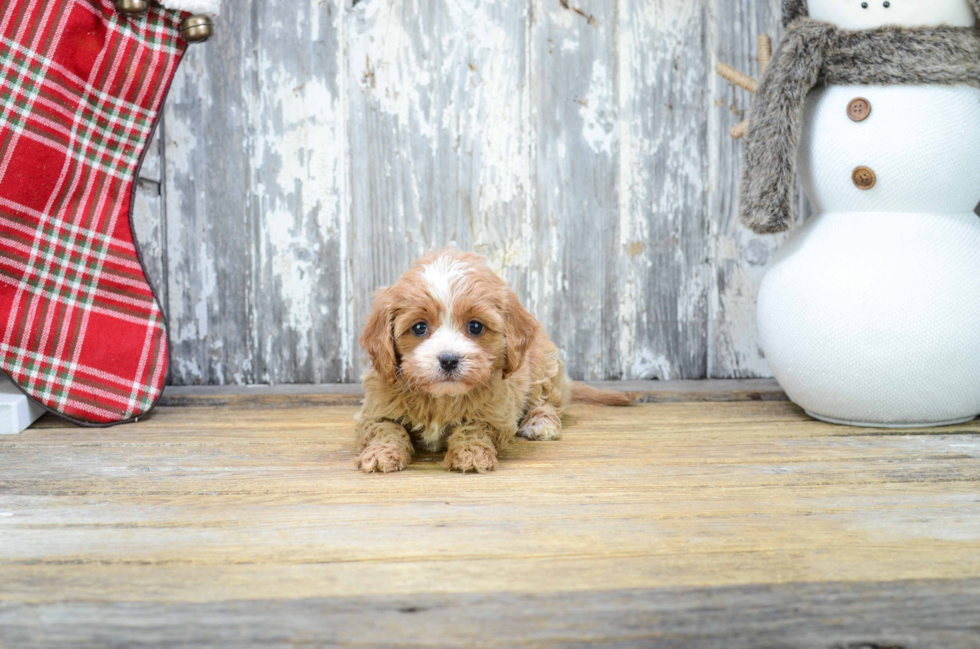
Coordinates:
[648,366]
[598,111]
[301,203]
[395,77]
[193,325]
[631,193]
[447,122]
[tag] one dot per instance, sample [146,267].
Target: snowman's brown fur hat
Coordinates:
[793,9]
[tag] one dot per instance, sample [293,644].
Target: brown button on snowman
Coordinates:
[859,109]
[870,313]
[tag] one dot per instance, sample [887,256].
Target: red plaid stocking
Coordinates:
[80,89]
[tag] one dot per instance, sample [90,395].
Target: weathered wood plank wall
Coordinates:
[313,149]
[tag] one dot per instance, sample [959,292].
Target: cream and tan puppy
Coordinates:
[458,364]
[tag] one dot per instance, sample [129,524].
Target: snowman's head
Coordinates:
[868,14]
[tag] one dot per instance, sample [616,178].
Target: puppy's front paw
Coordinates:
[471,457]
[540,430]
[383,458]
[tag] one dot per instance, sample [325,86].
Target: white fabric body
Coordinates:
[922,142]
[208,7]
[870,313]
[850,14]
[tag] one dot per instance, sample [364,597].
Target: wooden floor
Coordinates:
[239,520]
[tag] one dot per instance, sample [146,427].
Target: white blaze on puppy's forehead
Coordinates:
[446,340]
[445,277]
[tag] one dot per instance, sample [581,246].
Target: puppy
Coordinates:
[459,365]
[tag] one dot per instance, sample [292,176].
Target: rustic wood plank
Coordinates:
[229,503]
[299,209]
[152,168]
[739,257]
[663,269]
[725,524]
[209,197]
[149,231]
[352,393]
[834,615]
[149,217]
[576,181]
[576,223]
[315,150]
[439,144]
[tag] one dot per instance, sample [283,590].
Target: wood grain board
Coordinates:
[313,149]
[352,394]
[731,524]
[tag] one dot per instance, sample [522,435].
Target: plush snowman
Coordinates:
[870,313]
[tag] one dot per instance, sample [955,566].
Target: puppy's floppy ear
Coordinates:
[378,338]
[519,328]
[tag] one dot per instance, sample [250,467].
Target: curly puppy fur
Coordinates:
[813,53]
[459,365]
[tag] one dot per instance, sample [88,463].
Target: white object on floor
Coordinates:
[209,7]
[17,412]
[870,312]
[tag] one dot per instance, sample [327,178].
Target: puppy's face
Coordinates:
[452,340]
[447,327]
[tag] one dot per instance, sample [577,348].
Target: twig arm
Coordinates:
[738,78]
[765,52]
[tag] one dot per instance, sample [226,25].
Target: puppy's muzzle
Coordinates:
[449,363]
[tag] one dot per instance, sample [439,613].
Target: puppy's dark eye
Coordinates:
[420,329]
[475,328]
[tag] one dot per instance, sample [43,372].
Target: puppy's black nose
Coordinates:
[449,362]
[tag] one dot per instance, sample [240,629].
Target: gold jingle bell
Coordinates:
[196,29]
[132,7]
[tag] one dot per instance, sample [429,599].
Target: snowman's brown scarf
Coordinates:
[813,53]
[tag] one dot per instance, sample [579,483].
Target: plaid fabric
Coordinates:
[80,87]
